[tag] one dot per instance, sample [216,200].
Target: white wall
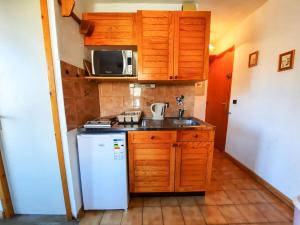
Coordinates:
[263,130]
[67,45]
[126,7]
[28,134]
[70,42]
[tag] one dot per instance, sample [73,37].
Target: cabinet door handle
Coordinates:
[196,136]
[171,77]
[175,145]
[175,77]
[152,137]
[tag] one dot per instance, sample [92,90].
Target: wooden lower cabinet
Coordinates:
[151,161]
[193,166]
[161,161]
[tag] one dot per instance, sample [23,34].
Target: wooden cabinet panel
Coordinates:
[112,29]
[196,135]
[191,45]
[151,165]
[150,137]
[155,45]
[193,166]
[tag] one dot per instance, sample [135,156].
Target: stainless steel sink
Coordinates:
[186,122]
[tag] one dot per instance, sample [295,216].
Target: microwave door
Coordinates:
[108,63]
[124,62]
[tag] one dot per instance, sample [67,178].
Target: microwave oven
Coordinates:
[113,63]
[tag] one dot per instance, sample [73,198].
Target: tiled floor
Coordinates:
[233,198]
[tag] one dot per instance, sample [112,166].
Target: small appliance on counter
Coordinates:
[130,117]
[103,122]
[158,110]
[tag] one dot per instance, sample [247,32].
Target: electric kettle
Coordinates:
[158,111]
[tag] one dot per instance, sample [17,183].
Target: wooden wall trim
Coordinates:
[263,182]
[8,210]
[54,106]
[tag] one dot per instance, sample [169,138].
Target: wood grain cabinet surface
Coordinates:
[112,29]
[151,161]
[155,45]
[191,45]
[173,45]
[168,161]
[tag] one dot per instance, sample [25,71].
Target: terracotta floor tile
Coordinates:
[251,213]
[192,215]
[112,217]
[151,201]
[212,215]
[152,216]
[91,218]
[228,185]
[217,198]
[253,196]
[245,184]
[172,215]
[169,201]
[136,202]
[232,214]
[133,216]
[271,213]
[269,196]
[187,201]
[285,210]
[236,197]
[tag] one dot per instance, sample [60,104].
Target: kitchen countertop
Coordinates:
[149,124]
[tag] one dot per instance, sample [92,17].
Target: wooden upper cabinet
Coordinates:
[191,45]
[112,28]
[155,45]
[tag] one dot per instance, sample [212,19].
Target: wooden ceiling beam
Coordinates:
[67,7]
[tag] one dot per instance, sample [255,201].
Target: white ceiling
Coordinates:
[225,13]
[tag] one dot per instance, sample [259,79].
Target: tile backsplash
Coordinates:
[81,96]
[116,97]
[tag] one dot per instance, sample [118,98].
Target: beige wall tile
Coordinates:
[138,98]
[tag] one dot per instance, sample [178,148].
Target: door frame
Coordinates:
[8,209]
[211,58]
[54,106]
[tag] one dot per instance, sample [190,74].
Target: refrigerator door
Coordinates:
[103,170]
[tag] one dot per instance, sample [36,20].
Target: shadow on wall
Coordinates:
[244,144]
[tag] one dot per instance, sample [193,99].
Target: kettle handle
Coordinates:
[151,107]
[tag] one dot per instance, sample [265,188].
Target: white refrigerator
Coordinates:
[103,170]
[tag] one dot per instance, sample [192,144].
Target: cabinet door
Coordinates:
[193,166]
[155,45]
[151,165]
[112,29]
[191,50]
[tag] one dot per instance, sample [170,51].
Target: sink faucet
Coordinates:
[180,113]
[180,103]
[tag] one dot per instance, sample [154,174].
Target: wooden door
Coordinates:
[155,45]
[112,29]
[218,95]
[151,161]
[193,166]
[191,50]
